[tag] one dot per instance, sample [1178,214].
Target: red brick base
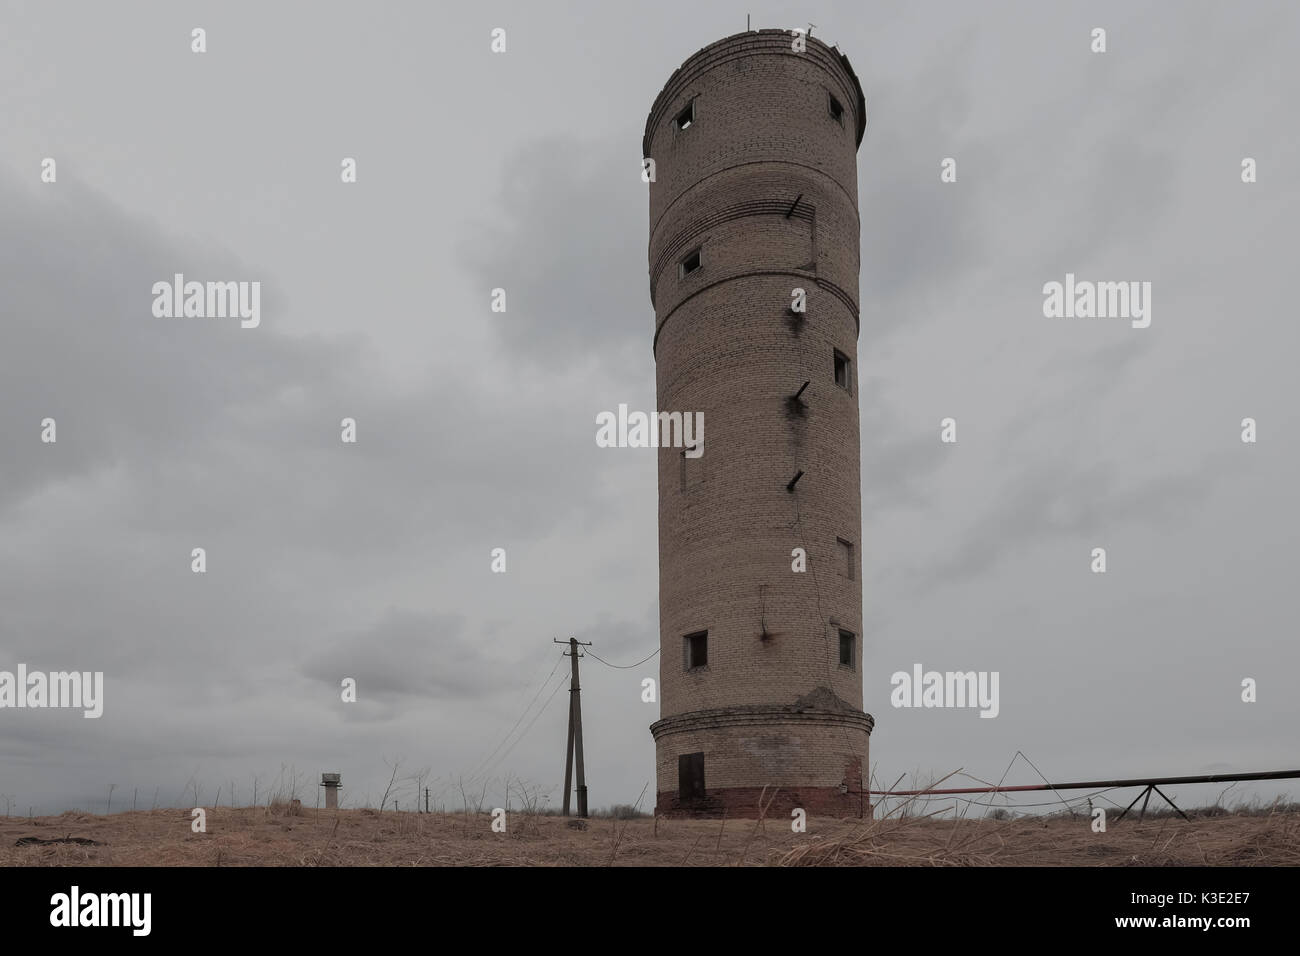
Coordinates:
[744,802]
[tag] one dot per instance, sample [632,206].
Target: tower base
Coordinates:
[752,761]
[745,802]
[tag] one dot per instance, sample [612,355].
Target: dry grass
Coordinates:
[280,837]
[1227,840]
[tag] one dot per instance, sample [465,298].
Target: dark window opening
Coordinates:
[842,370]
[847,640]
[690,263]
[837,111]
[697,650]
[846,557]
[686,117]
[690,776]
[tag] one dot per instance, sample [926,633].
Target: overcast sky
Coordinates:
[476,429]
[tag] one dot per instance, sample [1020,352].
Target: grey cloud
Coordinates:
[572,294]
[408,653]
[1052,502]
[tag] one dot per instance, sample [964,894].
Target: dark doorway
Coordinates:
[690,776]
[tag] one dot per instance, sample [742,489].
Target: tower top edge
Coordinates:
[755,42]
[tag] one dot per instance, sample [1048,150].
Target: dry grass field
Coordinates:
[277,836]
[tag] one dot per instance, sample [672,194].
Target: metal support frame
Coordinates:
[1148,784]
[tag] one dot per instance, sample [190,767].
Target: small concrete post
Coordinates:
[330,781]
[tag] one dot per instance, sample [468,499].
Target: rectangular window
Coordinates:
[845,557]
[837,111]
[690,776]
[847,641]
[842,364]
[686,117]
[689,264]
[696,647]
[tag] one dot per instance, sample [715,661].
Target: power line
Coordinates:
[542,686]
[529,727]
[622,667]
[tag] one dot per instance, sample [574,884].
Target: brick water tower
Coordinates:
[754,282]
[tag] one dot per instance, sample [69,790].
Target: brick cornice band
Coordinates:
[758,716]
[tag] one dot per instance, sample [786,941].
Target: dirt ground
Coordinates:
[278,837]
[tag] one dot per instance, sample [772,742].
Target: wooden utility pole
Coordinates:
[575,732]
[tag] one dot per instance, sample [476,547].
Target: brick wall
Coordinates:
[811,759]
[774,706]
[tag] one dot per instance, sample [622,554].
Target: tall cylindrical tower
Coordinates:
[754,281]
